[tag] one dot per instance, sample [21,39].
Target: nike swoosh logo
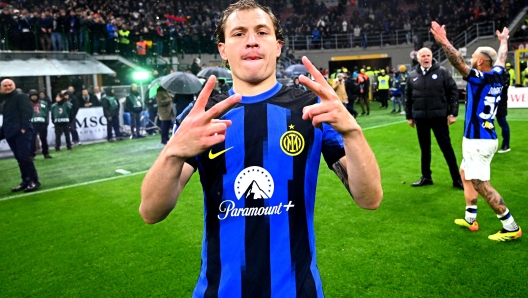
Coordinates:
[415,79]
[215,155]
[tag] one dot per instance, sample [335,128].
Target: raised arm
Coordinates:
[168,176]
[358,169]
[453,55]
[502,54]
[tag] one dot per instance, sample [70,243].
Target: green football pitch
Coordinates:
[80,234]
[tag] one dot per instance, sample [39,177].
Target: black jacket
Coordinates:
[17,113]
[352,88]
[502,109]
[433,95]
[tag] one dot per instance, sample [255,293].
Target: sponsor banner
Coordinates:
[517,97]
[91,126]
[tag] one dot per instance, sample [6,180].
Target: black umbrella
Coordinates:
[181,83]
[215,70]
[296,69]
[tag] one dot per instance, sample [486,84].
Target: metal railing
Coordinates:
[189,44]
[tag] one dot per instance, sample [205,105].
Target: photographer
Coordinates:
[339,87]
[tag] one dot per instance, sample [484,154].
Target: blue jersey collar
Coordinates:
[259,97]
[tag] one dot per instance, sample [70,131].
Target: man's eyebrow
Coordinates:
[243,28]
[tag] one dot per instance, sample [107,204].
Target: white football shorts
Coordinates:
[476,158]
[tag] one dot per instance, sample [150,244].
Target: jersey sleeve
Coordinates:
[333,146]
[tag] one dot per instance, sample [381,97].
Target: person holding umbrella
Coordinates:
[165,114]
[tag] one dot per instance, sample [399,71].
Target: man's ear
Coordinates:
[279,47]
[222,50]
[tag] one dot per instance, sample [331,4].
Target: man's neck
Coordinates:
[252,89]
[482,68]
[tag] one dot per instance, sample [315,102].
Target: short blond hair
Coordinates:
[488,52]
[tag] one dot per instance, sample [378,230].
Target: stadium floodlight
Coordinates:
[140,75]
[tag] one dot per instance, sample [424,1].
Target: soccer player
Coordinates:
[484,87]
[257,149]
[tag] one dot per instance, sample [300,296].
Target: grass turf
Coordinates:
[88,240]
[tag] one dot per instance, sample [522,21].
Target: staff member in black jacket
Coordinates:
[17,130]
[432,104]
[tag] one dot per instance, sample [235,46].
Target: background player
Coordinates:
[484,87]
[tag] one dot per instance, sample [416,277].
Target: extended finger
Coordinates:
[223,106]
[204,95]
[217,127]
[316,88]
[313,70]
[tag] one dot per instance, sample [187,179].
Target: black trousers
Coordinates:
[135,123]
[165,127]
[62,128]
[384,97]
[40,129]
[441,131]
[112,123]
[20,144]
[73,129]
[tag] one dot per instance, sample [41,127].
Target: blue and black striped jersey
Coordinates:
[259,195]
[483,95]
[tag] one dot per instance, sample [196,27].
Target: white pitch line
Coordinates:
[70,186]
[143,172]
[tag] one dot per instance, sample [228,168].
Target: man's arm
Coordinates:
[168,176]
[502,54]
[451,92]
[162,187]
[358,169]
[452,54]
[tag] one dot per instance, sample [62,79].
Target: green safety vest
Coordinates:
[40,112]
[123,37]
[112,102]
[512,76]
[384,82]
[135,100]
[61,112]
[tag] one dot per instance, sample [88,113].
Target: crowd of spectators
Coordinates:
[132,27]
[381,23]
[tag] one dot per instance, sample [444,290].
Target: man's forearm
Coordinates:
[502,54]
[161,188]
[364,179]
[456,59]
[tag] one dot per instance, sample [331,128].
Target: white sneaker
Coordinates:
[504,150]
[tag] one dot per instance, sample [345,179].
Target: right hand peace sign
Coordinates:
[200,130]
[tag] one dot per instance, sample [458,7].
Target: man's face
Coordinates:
[425,58]
[85,93]
[8,86]
[250,45]
[134,88]
[96,89]
[71,89]
[34,97]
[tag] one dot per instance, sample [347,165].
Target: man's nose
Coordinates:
[251,40]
